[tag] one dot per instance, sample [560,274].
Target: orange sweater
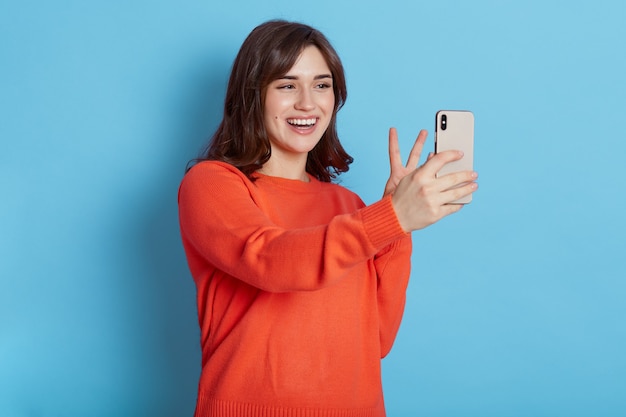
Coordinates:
[300,291]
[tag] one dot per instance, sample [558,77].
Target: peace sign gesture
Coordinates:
[399,171]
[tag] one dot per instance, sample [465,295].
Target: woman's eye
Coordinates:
[287,87]
[324,85]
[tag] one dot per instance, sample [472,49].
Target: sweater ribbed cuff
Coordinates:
[381,223]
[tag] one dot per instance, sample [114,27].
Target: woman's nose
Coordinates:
[305,100]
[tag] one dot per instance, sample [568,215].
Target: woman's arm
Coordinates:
[223,225]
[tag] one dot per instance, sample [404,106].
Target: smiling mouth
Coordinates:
[302,123]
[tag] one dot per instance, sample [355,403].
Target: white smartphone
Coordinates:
[454,130]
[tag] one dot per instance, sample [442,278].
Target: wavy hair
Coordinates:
[267,54]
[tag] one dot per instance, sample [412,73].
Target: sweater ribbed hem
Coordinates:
[216,408]
[381,223]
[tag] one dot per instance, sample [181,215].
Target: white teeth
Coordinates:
[302,122]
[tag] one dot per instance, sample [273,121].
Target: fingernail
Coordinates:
[474,175]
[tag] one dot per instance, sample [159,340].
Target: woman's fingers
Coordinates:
[395,159]
[434,164]
[416,150]
[397,169]
[455,179]
[458,192]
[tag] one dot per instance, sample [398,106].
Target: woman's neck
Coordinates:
[292,170]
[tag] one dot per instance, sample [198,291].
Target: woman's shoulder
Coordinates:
[215,172]
[208,167]
[214,177]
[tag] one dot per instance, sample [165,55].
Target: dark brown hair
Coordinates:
[267,54]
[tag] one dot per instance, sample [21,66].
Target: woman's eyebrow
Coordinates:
[295,77]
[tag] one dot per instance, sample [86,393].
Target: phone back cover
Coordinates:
[458,135]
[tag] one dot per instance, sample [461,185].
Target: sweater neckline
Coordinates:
[294,185]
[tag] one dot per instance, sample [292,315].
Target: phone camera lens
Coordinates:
[444,122]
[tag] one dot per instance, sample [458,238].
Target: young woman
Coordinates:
[300,286]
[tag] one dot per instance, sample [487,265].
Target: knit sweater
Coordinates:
[300,293]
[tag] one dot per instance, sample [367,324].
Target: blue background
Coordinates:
[516,305]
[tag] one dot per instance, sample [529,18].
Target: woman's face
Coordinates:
[299,106]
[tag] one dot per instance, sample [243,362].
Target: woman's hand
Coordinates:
[419,197]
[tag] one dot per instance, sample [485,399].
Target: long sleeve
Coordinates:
[393,268]
[223,219]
